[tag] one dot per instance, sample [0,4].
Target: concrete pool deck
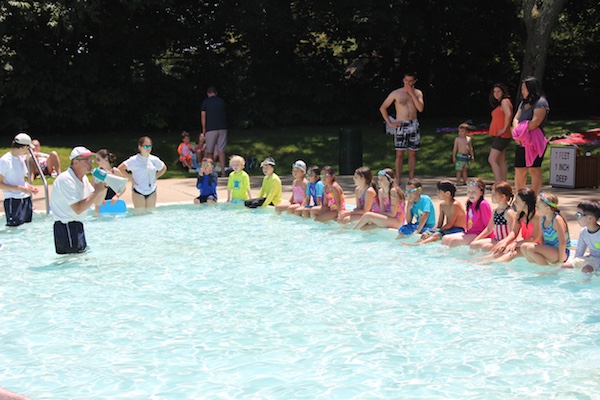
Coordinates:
[183,191]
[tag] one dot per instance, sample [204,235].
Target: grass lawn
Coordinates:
[315,145]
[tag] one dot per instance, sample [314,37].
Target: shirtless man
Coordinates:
[407,101]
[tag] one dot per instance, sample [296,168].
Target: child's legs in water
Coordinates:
[328,215]
[540,254]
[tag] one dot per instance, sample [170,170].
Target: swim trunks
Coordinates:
[408,136]
[462,161]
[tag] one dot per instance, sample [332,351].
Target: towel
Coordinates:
[533,141]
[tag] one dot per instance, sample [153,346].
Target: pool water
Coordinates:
[225,302]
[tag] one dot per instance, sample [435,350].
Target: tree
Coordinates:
[540,17]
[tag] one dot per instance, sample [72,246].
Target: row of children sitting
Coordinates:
[530,226]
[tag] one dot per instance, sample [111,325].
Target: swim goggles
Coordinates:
[579,215]
[474,183]
[409,191]
[383,173]
[545,200]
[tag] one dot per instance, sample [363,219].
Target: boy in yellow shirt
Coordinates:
[270,191]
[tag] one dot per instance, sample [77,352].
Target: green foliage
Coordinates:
[98,65]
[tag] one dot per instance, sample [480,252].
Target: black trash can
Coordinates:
[350,150]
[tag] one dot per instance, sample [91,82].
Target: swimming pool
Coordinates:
[225,302]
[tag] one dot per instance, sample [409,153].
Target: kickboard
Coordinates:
[118,208]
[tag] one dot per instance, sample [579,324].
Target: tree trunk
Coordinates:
[539,16]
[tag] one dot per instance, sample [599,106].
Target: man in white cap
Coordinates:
[17,193]
[72,195]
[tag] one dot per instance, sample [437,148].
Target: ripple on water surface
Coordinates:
[189,302]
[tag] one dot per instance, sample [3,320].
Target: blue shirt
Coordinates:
[422,206]
[207,184]
[314,191]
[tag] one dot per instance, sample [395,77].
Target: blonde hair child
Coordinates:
[238,183]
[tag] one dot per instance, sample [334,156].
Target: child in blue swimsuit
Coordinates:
[556,241]
[314,192]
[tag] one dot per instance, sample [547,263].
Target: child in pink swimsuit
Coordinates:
[333,198]
[298,189]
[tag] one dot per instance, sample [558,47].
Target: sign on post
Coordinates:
[562,166]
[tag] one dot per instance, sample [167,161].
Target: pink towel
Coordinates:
[533,141]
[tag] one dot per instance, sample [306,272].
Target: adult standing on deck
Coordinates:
[407,101]
[72,195]
[17,193]
[533,108]
[214,126]
[500,130]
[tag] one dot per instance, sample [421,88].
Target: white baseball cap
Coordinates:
[23,139]
[81,151]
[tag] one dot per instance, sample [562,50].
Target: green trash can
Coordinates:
[351,156]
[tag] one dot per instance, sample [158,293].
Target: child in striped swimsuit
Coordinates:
[503,220]
[555,231]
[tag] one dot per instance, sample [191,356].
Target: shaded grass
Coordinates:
[315,145]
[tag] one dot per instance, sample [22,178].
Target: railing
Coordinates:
[37,164]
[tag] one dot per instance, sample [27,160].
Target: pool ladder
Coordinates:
[37,164]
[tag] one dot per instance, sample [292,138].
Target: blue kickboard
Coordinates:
[118,208]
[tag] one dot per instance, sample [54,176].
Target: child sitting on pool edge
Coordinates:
[270,191]
[421,207]
[452,218]
[588,212]
[238,183]
[207,183]
[314,192]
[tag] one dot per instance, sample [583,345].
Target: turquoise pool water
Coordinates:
[188,303]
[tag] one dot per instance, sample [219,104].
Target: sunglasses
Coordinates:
[147,146]
[325,176]
[309,175]
[89,160]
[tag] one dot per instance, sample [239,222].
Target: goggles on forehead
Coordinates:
[413,190]
[383,173]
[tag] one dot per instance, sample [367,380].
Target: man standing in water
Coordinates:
[407,101]
[72,195]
